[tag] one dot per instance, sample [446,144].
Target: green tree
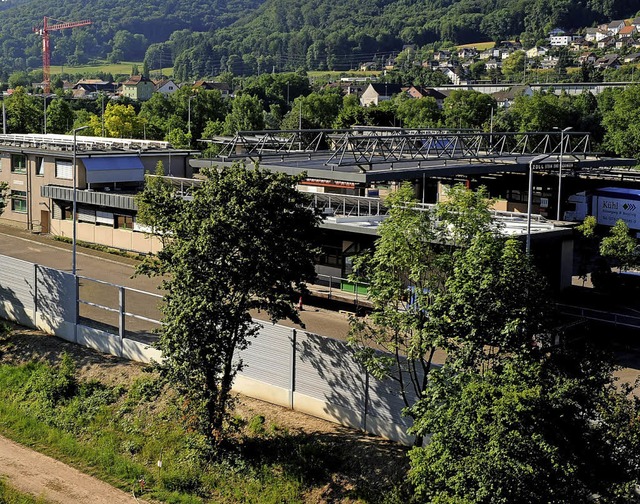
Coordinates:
[319,110]
[407,273]
[158,193]
[540,112]
[246,115]
[513,66]
[620,246]
[120,121]
[467,109]
[243,242]
[4,191]
[420,113]
[484,314]
[24,113]
[551,429]
[622,122]
[59,116]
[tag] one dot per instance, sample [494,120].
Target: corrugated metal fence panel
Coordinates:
[326,370]
[17,282]
[55,293]
[268,358]
[385,398]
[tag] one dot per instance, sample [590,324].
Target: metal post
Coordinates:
[292,368]
[121,316]
[75,201]
[102,97]
[560,169]
[189,113]
[535,160]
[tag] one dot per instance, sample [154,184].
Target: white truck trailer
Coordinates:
[607,205]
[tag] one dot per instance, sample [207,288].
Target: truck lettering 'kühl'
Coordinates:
[607,205]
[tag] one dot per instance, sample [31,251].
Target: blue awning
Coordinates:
[109,169]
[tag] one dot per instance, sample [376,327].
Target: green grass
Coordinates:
[119,435]
[9,495]
[480,46]
[122,68]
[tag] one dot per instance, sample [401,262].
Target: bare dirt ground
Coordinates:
[375,460]
[34,473]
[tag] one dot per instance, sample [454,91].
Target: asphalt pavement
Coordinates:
[44,250]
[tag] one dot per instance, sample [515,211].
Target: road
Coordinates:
[118,270]
[34,473]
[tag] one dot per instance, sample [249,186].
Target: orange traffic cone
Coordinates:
[300,307]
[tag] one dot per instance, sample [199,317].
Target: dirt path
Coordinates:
[31,472]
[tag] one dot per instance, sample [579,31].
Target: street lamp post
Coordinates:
[560,168]
[535,160]
[75,200]
[189,113]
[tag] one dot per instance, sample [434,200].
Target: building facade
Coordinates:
[39,170]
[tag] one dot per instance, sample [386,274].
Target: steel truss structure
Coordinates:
[365,148]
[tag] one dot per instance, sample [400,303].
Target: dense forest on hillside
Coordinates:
[121,29]
[339,35]
[204,38]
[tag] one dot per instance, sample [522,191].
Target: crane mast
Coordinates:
[44,31]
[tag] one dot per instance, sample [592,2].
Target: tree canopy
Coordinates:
[243,242]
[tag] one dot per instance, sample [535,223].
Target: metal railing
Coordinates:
[600,315]
[99,300]
[336,291]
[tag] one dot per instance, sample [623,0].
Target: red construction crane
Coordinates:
[43,31]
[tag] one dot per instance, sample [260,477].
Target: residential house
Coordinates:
[370,65]
[138,87]
[632,58]
[587,58]
[537,52]
[595,34]
[166,86]
[555,32]
[467,53]
[223,87]
[624,43]
[487,54]
[421,92]
[506,98]
[549,62]
[90,88]
[614,27]
[577,43]
[430,64]
[560,40]
[636,22]
[390,64]
[606,42]
[627,31]
[453,74]
[493,64]
[608,61]
[378,92]
[442,55]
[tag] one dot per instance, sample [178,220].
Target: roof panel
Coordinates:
[107,169]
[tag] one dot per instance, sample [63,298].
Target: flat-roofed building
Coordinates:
[40,173]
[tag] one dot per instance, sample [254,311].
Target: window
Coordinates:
[18,163]
[19,201]
[123,222]
[64,169]
[39,166]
